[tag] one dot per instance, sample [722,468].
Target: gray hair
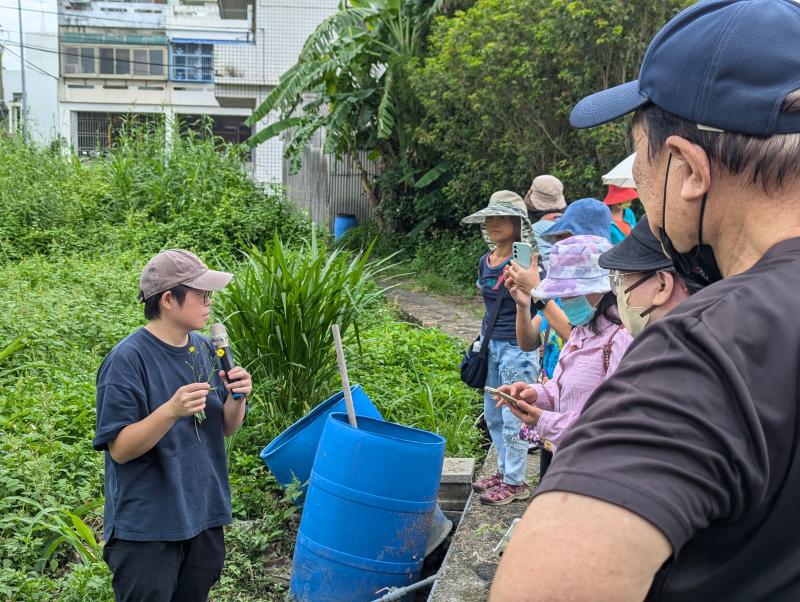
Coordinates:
[768,160]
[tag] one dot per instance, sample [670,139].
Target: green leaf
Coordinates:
[434,174]
[274,129]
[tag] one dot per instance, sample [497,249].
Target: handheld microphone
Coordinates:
[219,336]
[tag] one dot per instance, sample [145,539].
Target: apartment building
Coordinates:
[177,59]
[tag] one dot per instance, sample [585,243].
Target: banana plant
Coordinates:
[347,81]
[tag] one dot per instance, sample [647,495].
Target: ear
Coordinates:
[666,282]
[167,301]
[693,164]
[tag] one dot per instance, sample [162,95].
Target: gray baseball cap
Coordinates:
[179,266]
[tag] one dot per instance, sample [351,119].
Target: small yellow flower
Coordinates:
[220,352]
[191,349]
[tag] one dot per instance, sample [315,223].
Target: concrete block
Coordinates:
[458,470]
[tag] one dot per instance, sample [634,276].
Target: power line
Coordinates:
[77,54]
[242,38]
[32,65]
[118,19]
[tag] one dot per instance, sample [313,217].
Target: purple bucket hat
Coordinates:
[575,269]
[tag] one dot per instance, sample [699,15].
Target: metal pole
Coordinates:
[22,66]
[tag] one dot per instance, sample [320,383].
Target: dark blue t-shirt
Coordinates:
[490,281]
[180,487]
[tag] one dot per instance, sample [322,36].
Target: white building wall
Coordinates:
[40,27]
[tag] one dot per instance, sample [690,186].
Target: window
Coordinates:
[192,63]
[98,132]
[78,60]
[225,128]
[114,61]
[107,61]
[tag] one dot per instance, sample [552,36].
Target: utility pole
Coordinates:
[22,66]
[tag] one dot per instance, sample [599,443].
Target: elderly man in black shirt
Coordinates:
[681,481]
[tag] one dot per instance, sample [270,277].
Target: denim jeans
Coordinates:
[508,364]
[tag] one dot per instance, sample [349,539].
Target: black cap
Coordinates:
[639,252]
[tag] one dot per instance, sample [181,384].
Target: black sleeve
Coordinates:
[672,436]
[121,398]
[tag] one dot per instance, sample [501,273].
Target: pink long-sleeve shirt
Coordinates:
[580,369]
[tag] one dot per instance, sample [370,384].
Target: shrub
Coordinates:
[280,309]
[142,195]
[501,78]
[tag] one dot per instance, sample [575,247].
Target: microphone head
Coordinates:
[219,335]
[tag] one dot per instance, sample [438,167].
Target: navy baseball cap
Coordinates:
[639,252]
[723,64]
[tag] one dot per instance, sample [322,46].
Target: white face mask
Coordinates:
[633,318]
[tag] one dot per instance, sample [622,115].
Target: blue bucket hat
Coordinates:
[723,64]
[582,217]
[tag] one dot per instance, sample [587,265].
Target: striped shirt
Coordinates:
[580,369]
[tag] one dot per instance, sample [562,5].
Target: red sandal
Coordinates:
[505,494]
[487,483]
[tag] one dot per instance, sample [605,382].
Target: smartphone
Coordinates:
[501,395]
[521,252]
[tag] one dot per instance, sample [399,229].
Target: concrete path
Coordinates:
[470,564]
[456,316]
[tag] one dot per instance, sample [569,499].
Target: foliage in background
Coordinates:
[441,261]
[141,195]
[498,84]
[350,84]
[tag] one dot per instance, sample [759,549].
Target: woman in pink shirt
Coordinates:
[591,353]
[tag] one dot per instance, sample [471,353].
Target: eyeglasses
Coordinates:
[205,296]
[616,276]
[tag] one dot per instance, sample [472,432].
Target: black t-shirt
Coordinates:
[697,433]
[180,487]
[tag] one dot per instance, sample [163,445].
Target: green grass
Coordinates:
[59,318]
[74,237]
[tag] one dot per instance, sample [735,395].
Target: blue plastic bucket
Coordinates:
[342,224]
[368,510]
[291,454]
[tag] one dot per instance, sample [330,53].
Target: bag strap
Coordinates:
[607,351]
[492,319]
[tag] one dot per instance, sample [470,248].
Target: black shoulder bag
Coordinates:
[475,364]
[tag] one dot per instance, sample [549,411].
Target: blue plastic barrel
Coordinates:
[368,510]
[342,224]
[291,454]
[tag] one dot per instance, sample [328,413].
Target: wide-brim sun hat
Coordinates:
[583,217]
[503,203]
[617,195]
[639,252]
[547,194]
[726,65]
[575,269]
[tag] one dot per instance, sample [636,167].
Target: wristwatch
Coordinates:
[540,304]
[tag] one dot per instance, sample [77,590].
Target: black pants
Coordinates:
[545,457]
[166,571]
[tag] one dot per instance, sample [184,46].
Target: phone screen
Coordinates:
[504,396]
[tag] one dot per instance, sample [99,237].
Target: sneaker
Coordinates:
[505,494]
[488,483]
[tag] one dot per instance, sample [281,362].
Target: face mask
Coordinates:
[633,318]
[698,266]
[579,311]
[624,206]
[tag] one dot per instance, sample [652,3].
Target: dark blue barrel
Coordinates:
[342,224]
[368,510]
[291,454]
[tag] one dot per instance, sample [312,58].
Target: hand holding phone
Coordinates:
[521,252]
[504,396]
